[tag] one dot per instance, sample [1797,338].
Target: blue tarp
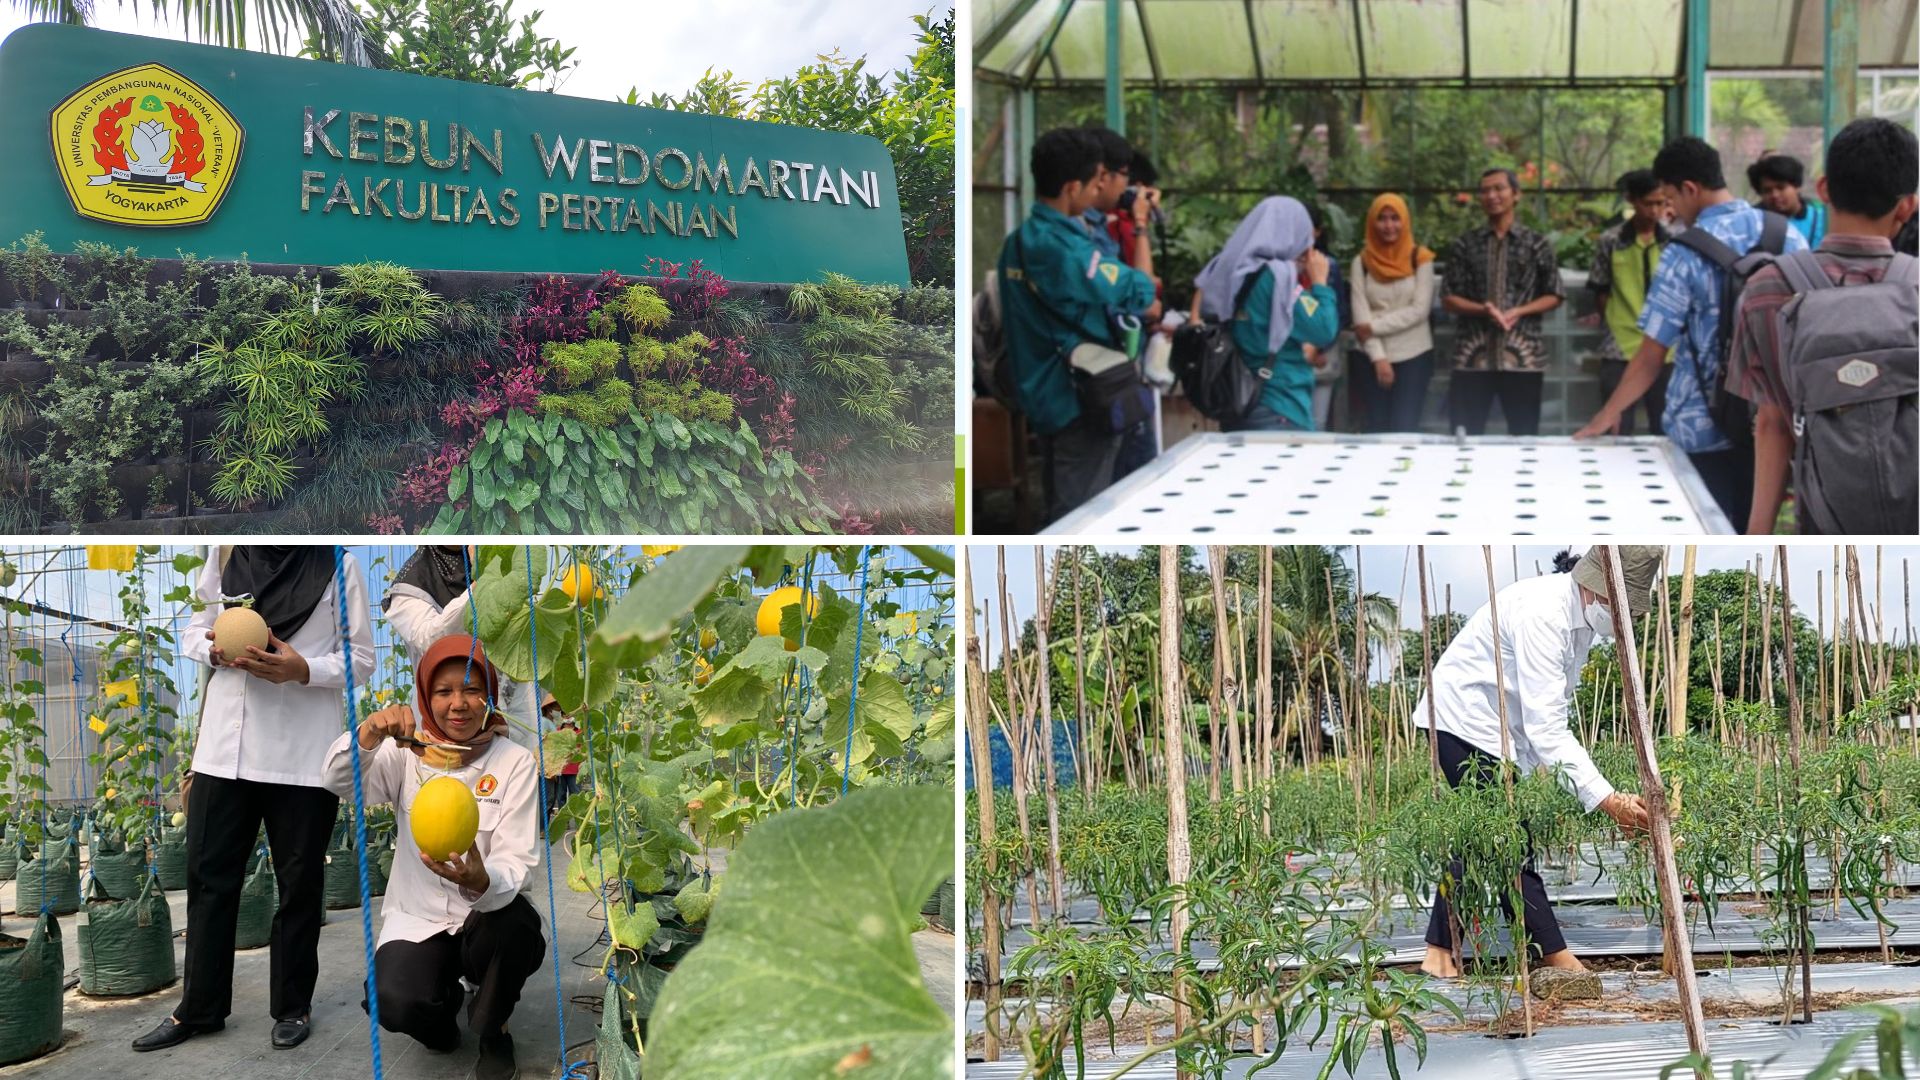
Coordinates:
[1063,735]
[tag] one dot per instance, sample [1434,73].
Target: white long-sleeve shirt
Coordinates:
[1400,311]
[504,781]
[252,729]
[420,622]
[1544,640]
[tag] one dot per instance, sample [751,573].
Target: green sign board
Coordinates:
[138,141]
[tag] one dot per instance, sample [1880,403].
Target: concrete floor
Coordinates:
[99,1030]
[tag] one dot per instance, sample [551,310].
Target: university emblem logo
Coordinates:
[145,146]
[486,785]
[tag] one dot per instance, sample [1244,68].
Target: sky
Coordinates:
[1382,567]
[662,47]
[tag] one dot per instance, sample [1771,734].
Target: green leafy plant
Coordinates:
[556,474]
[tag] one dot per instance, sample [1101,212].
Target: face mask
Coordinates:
[1600,620]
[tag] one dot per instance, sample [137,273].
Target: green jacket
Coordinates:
[1316,321]
[1055,291]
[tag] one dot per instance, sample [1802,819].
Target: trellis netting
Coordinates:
[31,973]
[51,879]
[126,946]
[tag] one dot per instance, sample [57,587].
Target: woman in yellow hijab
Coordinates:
[1392,286]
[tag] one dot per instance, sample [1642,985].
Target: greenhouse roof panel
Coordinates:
[1306,39]
[1202,40]
[1080,52]
[1391,41]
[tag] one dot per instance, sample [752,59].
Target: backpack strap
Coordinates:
[1904,270]
[1803,272]
[1709,247]
[1773,233]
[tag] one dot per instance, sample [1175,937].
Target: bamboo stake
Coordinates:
[1426,671]
[983,789]
[1222,656]
[1265,694]
[1682,670]
[1238,737]
[1015,728]
[1179,854]
[1090,749]
[1795,737]
[1359,720]
[1667,874]
[1519,928]
[1043,659]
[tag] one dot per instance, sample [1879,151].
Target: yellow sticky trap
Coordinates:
[110,556]
[125,688]
[98,725]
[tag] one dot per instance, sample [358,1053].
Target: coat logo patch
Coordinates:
[486,785]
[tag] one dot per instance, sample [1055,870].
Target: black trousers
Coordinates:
[223,817]
[1519,393]
[419,981]
[1654,401]
[1460,760]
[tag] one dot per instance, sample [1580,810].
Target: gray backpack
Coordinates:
[1848,357]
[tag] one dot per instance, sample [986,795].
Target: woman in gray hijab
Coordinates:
[1272,285]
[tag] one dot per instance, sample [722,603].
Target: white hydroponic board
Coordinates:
[1360,485]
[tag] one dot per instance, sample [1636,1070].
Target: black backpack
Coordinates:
[1730,412]
[1212,372]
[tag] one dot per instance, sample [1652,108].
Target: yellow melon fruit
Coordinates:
[237,628]
[767,620]
[444,818]
[179,819]
[702,670]
[708,639]
[578,584]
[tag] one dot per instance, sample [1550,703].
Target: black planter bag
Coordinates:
[32,973]
[126,946]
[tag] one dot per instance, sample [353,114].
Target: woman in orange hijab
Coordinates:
[467,916]
[1392,292]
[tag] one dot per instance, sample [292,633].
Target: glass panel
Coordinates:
[1011,54]
[1307,39]
[1201,40]
[1899,98]
[1408,41]
[1081,50]
[1519,39]
[1749,117]
[1630,38]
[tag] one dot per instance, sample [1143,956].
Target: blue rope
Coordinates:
[567,1072]
[359,809]
[45,725]
[853,698]
[142,686]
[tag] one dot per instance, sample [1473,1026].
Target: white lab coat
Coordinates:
[1544,641]
[251,729]
[420,903]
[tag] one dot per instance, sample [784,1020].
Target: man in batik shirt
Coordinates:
[1500,279]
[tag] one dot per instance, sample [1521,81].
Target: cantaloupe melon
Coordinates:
[767,620]
[237,628]
[444,818]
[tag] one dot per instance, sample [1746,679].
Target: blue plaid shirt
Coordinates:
[1682,312]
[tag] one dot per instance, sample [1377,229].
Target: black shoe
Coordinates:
[496,1058]
[172,1033]
[288,1034]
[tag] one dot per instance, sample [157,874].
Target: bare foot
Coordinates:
[1439,964]
[1564,960]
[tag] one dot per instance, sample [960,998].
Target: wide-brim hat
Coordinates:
[1639,564]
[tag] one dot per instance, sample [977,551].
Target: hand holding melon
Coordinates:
[234,631]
